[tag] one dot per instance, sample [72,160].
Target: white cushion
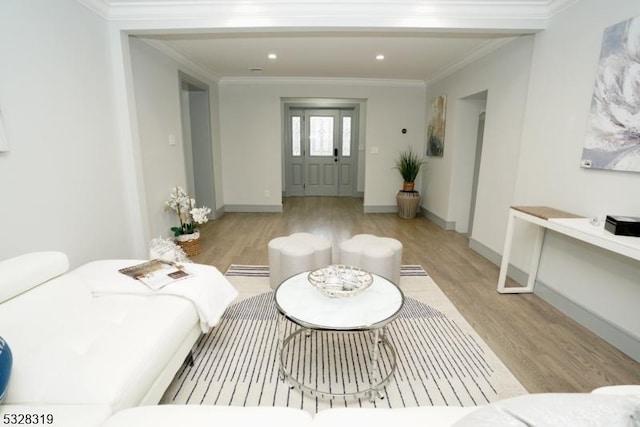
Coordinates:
[110,354]
[208,416]
[558,409]
[19,274]
[619,389]
[432,416]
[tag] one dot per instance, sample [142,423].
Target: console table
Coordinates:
[561,222]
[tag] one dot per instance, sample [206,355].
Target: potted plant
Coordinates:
[408,164]
[187,235]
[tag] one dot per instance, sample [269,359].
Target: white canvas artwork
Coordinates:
[613,132]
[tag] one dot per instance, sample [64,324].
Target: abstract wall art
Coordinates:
[613,131]
[435,128]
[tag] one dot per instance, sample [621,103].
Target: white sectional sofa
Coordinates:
[91,349]
[618,407]
[207,416]
[83,350]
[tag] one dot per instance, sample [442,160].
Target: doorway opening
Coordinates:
[472,116]
[196,134]
[321,150]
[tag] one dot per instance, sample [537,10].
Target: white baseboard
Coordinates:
[443,223]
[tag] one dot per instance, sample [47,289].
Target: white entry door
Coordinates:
[320,156]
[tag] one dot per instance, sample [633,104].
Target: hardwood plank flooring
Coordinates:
[545,350]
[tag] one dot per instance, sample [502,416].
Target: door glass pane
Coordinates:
[295,136]
[320,136]
[346,136]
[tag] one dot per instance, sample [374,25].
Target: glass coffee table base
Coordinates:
[369,390]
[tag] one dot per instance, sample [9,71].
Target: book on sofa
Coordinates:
[156,274]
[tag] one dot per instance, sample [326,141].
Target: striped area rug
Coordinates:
[440,359]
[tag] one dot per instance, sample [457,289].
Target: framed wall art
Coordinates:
[613,131]
[436,126]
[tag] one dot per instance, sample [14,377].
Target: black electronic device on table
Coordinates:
[623,225]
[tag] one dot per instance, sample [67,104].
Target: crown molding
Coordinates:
[323,81]
[557,6]
[478,53]
[183,60]
[530,15]
[101,7]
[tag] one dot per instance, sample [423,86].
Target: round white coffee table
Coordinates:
[368,311]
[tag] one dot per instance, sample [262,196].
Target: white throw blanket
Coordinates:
[208,290]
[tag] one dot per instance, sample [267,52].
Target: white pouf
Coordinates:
[379,255]
[296,253]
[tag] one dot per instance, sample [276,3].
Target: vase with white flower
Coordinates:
[187,235]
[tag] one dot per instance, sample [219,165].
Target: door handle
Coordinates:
[335,152]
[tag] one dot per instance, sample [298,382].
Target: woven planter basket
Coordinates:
[408,202]
[190,243]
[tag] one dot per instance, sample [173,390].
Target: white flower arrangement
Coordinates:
[166,250]
[190,217]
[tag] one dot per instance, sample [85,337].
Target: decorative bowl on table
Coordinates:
[340,280]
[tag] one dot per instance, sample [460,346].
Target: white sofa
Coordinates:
[617,407]
[80,356]
[83,360]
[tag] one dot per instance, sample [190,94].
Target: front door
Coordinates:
[320,155]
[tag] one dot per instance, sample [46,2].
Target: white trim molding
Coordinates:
[322,80]
[509,15]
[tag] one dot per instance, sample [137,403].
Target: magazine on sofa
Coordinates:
[156,274]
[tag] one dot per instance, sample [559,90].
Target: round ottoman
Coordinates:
[296,253]
[379,255]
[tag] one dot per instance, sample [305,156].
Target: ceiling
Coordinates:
[420,39]
[330,55]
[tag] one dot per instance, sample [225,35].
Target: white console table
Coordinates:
[564,223]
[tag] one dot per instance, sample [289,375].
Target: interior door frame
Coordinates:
[198,152]
[291,108]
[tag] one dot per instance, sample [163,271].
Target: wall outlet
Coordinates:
[172,139]
[267,193]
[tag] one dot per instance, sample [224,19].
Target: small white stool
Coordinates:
[296,253]
[379,255]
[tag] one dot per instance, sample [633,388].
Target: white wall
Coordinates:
[447,180]
[157,94]
[562,80]
[251,131]
[61,181]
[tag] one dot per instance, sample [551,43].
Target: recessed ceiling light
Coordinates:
[380,57]
[272,56]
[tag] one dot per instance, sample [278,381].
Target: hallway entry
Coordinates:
[195,112]
[321,148]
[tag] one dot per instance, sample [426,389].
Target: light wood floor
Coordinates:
[545,350]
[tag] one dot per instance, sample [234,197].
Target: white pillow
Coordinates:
[558,409]
[19,274]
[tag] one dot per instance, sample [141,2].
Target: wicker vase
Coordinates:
[190,243]
[408,202]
